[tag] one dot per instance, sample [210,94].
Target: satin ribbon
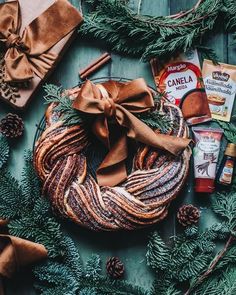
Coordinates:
[28,54]
[16,253]
[115,102]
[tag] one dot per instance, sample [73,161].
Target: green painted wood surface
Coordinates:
[131,246]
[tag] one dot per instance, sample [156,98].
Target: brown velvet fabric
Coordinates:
[16,252]
[28,54]
[114,102]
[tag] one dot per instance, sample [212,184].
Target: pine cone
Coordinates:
[188,215]
[115,267]
[12,126]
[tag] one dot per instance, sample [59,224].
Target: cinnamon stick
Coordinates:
[95,65]
[212,266]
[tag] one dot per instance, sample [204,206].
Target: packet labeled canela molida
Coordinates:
[220,84]
[181,81]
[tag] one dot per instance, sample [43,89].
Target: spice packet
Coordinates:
[220,85]
[181,81]
[177,77]
[205,156]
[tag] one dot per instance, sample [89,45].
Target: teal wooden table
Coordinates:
[131,246]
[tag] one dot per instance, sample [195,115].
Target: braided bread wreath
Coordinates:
[141,200]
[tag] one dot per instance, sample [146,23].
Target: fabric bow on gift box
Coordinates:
[28,53]
[111,102]
[15,253]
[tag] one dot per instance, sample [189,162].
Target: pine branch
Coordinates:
[106,286]
[156,121]
[62,273]
[192,257]
[229,130]
[146,36]
[208,53]
[224,204]
[158,254]
[228,259]
[24,206]
[222,283]
[71,257]
[93,266]
[56,278]
[4,148]
[70,116]
[211,266]
[230,11]
[88,291]
[188,257]
[168,288]
[31,185]
[10,195]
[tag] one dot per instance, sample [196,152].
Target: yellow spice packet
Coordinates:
[220,86]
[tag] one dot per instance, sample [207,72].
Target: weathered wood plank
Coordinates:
[155,8]
[231,50]
[181,5]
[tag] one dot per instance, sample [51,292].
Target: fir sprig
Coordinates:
[193,259]
[156,120]
[30,217]
[4,150]
[230,19]
[229,130]
[105,286]
[54,94]
[127,32]
[93,266]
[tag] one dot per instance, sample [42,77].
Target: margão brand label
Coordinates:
[220,85]
[179,76]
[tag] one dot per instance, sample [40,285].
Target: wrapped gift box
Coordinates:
[43,22]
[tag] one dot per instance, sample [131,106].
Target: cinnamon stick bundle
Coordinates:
[95,65]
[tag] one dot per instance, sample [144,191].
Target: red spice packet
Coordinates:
[181,81]
[205,155]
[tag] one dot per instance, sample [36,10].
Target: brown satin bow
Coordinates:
[115,102]
[28,54]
